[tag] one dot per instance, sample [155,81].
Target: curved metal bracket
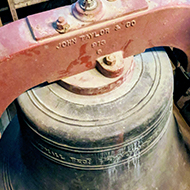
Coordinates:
[32,52]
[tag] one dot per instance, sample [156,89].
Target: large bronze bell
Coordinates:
[125,139]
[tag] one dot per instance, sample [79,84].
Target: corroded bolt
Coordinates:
[88,5]
[62,25]
[110,60]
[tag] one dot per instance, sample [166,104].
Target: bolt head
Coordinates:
[60,23]
[61,19]
[110,59]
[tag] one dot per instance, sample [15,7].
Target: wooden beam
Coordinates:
[24,3]
[12,9]
[1,22]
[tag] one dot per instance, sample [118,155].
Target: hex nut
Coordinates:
[62,25]
[110,59]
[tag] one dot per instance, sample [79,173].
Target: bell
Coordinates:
[123,139]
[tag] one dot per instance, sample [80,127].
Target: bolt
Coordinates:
[62,25]
[88,5]
[110,60]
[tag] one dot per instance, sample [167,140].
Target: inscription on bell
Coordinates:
[50,152]
[132,151]
[85,161]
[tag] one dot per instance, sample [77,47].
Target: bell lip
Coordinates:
[96,158]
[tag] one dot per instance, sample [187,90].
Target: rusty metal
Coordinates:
[110,59]
[34,52]
[62,25]
[111,65]
[91,82]
[87,10]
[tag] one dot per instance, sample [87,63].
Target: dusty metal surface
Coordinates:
[111,65]
[26,169]
[90,13]
[32,51]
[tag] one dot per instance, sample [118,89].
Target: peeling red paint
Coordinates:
[126,45]
[22,57]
